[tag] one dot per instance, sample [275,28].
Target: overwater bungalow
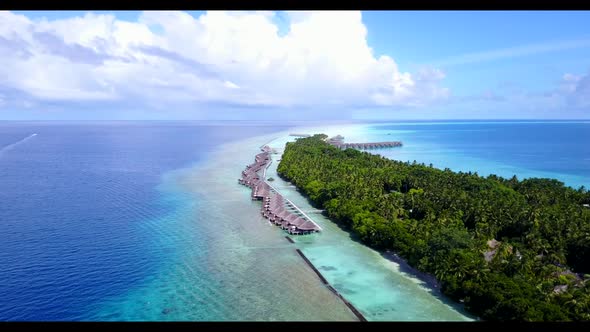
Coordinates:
[261,190]
[272,215]
[307,226]
[281,216]
[259,195]
[276,198]
[291,219]
[278,214]
[274,206]
[252,181]
[269,205]
[276,210]
[273,203]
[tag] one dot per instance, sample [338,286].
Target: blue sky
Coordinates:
[332,65]
[428,37]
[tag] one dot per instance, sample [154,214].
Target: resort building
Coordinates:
[274,207]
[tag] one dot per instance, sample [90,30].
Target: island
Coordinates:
[507,249]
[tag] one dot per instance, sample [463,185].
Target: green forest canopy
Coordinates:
[507,249]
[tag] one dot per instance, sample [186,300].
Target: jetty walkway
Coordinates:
[338,141]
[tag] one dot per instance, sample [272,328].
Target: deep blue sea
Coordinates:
[79,206]
[95,226]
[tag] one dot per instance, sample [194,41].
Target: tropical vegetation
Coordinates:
[508,249]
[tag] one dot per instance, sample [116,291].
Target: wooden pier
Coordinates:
[338,141]
[298,209]
[367,146]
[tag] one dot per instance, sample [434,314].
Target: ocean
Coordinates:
[552,149]
[145,221]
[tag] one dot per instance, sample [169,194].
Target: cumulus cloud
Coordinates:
[239,58]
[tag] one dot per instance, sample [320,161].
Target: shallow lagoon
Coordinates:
[197,248]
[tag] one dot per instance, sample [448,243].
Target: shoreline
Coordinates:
[402,298]
[428,279]
[425,281]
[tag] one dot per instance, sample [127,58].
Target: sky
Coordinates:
[342,65]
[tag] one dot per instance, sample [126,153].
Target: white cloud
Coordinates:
[231,57]
[230,85]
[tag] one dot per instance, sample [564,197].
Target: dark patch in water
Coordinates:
[343,289]
[348,291]
[328,268]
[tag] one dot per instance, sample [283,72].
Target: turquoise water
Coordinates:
[247,270]
[378,287]
[146,221]
[552,149]
[229,263]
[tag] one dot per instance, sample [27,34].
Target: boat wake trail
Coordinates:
[15,144]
